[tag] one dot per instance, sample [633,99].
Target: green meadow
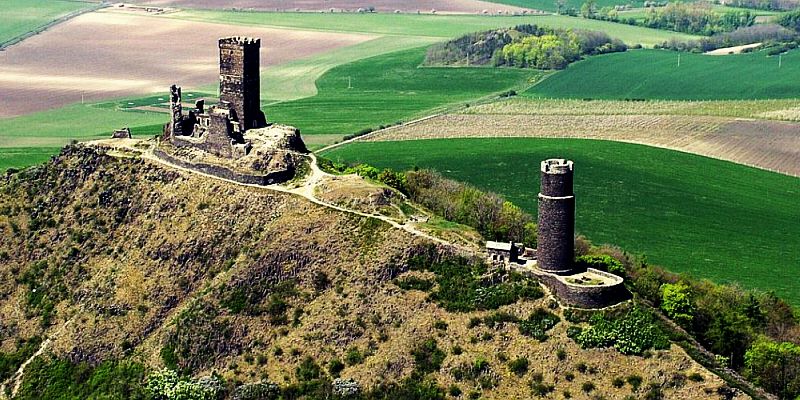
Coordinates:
[440,26]
[691,214]
[22,157]
[21,16]
[548,5]
[389,88]
[656,74]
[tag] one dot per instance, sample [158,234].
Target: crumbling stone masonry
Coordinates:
[556,239]
[220,128]
[239,79]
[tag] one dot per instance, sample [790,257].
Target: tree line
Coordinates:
[693,18]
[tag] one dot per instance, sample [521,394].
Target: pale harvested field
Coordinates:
[110,54]
[732,50]
[425,6]
[772,145]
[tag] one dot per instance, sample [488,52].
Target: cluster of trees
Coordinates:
[768,34]
[525,46]
[694,18]
[490,214]
[756,333]
[777,5]
[697,19]
[790,20]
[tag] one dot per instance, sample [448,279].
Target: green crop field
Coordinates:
[20,16]
[692,214]
[24,156]
[655,74]
[548,5]
[388,88]
[78,122]
[440,26]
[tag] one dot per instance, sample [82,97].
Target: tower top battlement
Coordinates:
[239,41]
[557,166]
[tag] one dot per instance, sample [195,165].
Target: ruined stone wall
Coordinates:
[217,140]
[556,232]
[225,173]
[585,296]
[239,79]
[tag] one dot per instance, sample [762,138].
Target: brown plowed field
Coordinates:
[112,54]
[425,6]
[771,145]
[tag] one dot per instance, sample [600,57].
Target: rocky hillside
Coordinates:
[114,268]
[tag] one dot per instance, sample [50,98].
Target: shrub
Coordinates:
[414,283]
[308,370]
[632,334]
[602,262]
[617,382]
[440,325]
[587,387]
[353,356]
[676,302]
[541,389]
[519,366]
[456,350]
[581,367]
[335,367]
[257,391]
[695,377]
[538,323]
[635,381]
[454,391]
[427,356]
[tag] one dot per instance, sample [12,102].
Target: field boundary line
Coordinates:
[376,132]
[19,38]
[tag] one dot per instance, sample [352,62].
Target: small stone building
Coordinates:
[504,252]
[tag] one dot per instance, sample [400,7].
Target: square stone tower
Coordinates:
[239,80]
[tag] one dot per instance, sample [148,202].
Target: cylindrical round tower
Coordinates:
[556,242]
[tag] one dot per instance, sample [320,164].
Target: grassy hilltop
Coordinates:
[138,267]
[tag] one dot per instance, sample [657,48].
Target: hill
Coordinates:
[706,214]
[656,74]
[114,268]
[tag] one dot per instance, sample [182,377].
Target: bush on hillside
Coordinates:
[631,334]
[489,214]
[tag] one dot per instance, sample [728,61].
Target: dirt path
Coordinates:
[305,190]
[16,379]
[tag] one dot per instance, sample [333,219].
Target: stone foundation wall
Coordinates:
[585,296]
[222,172]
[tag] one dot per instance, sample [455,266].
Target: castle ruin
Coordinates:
[232,139]
[221,128]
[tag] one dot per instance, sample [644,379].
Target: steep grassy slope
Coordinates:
[655,74]
[128,267]
[691,214]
